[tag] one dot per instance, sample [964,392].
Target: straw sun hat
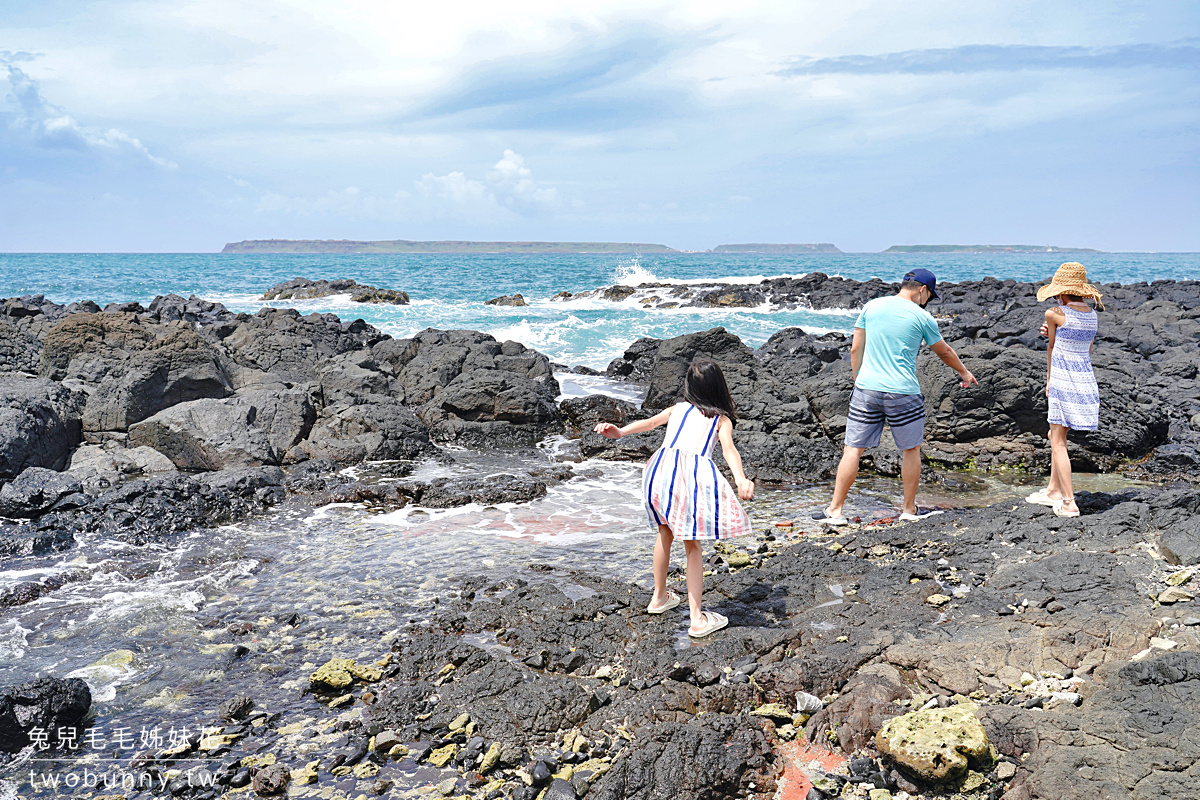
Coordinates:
[1070,278]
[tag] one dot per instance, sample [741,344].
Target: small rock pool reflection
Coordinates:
[163,635]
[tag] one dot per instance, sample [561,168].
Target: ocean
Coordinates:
[448,291]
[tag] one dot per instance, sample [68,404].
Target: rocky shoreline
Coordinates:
[1069,641]
[1060,641]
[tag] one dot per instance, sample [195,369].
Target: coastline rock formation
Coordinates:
[515,300]
[1028,649]
[794,390]
[305,289]
[1071,642]
[137,423]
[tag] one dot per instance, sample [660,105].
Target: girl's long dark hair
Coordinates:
[704,387]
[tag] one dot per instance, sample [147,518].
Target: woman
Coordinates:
[1073,398]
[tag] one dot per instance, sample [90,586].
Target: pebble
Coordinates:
[1065,698]
[540,773]
[937,600]
[1180,577]
[739,559]
[1174,595]
[1190,621]
[1005,770]
[385,741]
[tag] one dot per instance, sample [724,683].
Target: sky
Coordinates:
[177,126]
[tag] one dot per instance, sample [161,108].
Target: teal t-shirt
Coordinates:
[895,329]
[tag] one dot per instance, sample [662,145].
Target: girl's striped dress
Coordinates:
[1074,397]
[681,486]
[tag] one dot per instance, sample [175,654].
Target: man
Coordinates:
[883,358]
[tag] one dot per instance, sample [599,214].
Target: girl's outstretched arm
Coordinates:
[745,486]
[610,431]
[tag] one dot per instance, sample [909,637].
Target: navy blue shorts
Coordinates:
[904,413]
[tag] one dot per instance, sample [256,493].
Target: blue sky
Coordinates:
[172,125]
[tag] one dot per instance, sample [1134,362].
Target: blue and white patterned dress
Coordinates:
[1074,397]
[681,486]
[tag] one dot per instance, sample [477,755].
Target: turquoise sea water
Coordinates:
[449,291]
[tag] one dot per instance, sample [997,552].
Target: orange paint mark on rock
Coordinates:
[797,756]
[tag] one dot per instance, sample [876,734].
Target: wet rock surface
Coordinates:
[1045,636]
[134,407]
[41,705]
[555,678]
[305,289]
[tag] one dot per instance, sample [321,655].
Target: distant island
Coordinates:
[984,248]
[405,246]
[776,249]
[333,246]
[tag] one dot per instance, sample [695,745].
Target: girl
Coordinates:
[682,489]
[1072,395]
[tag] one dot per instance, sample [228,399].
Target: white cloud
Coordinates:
[454,187]
[508,185]
[50,126]
[513,181]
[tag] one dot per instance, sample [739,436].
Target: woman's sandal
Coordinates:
[1060,512]
[672,601]
[1041,498]
[713,622]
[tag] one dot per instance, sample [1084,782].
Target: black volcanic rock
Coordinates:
[376,427]
[288,346]
[472,389]
[35,491]
[250,428]
[39,423]
[131,369]
[47,704]
[305,289]
[793,392]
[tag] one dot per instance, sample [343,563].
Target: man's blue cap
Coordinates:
[926,277]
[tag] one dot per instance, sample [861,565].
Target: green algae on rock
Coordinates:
[936,744]
[338,673]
